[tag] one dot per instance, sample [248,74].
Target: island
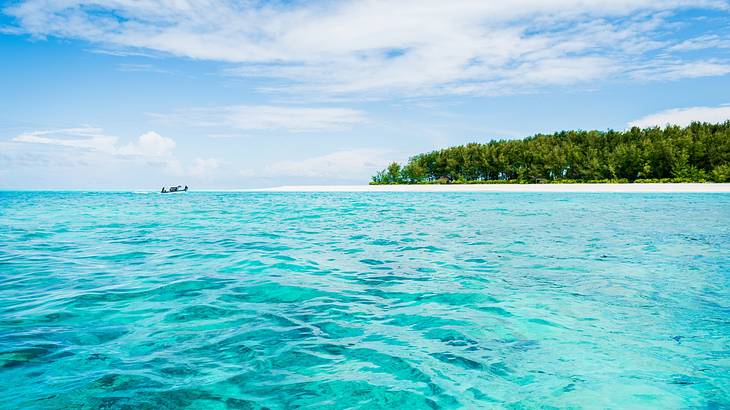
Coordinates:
[699,152]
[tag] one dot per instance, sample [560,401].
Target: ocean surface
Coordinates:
[364,300]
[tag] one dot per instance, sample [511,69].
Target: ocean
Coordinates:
[364,300]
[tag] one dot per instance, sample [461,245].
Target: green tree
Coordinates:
[698,152]
[393,173]
[721,173]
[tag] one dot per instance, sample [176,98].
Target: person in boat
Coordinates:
[178,188]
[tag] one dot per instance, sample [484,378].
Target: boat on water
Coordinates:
[174,189]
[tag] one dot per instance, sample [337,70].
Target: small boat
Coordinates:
[174,189]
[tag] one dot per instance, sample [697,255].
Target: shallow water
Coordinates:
[365,300]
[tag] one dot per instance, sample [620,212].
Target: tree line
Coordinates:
[699,152]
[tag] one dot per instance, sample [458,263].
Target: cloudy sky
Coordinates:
[233,94]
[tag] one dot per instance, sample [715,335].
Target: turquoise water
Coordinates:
[364,300]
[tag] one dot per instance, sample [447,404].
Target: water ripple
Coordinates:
[318,301]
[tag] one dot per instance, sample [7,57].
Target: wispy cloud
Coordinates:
[684,116]
[702,43]
[265,117]
[410,47]
[662,70]
[141,68]
[203,167]
[342,165]
[149,144]
[150,148]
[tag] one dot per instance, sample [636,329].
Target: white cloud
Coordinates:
[410,47]
[94,147]
[86,157]
[702,43]
[85,138]
[149,144]
[265,117]
[684,116]
[660,70]
[350,164]
[141,68]
[203,167]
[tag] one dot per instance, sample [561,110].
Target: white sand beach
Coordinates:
[618,188]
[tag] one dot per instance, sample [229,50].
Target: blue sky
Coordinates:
[218,94]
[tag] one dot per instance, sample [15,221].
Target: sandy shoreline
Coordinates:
[627,188]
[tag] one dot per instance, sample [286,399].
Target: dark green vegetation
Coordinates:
[697,153]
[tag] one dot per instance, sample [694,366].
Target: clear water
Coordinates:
[367,300]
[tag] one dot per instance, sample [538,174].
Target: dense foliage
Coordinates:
[699,152]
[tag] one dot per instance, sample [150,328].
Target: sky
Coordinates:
[137,94]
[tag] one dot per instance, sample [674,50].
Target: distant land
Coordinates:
[699,152]
[586,187]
